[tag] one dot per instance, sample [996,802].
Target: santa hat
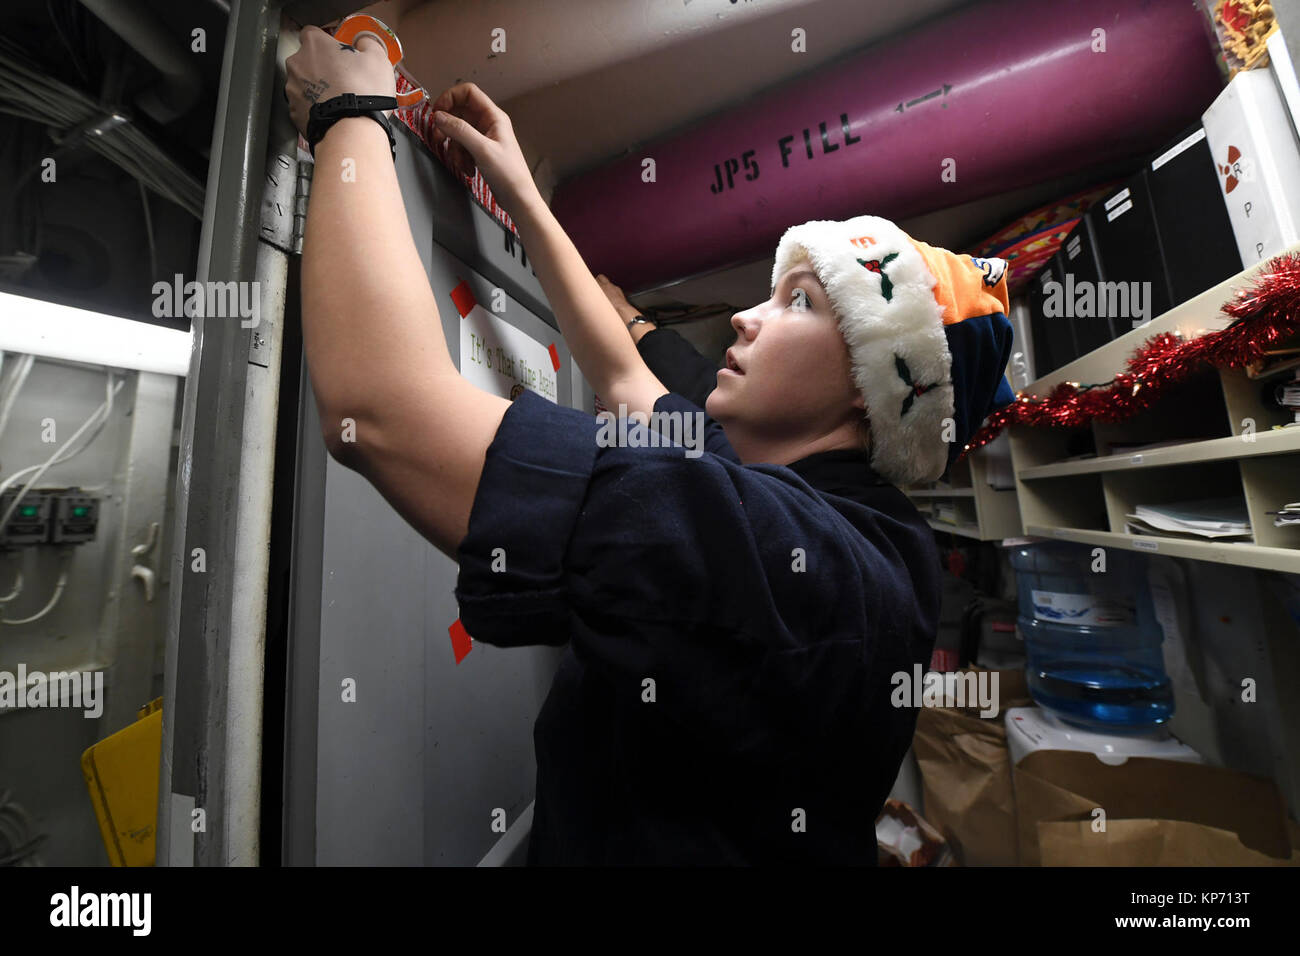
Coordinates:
[927,332]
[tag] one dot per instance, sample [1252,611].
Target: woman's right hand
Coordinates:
[625,309]
[474,131]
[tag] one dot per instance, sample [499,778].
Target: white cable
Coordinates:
[54,599]
[97,418]
[62,454]
[26,91]
[18,588]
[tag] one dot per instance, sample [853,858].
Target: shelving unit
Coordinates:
[1225,445]
[983,512]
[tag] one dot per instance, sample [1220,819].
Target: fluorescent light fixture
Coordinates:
[78,335]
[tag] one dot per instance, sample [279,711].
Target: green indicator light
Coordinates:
[80,511]
[28,511]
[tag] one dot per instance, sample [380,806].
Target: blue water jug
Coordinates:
[1092,641]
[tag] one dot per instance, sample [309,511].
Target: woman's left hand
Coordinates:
[474,131]
[323,68]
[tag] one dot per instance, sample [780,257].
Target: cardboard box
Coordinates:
[1254,148]
[1074,810]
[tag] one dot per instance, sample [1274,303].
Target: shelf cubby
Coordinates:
[1247,410]
[1190,411]
[1270,482]
[1218,438]
[983,512]
[1071,501]
[1126,490]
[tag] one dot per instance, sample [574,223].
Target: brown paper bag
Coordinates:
[966,775]
[1157,813]
[1148,843]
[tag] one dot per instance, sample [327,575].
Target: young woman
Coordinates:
[734,621]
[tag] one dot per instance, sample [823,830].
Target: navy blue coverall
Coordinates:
[732,629]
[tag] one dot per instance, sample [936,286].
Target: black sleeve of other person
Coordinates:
[677,364]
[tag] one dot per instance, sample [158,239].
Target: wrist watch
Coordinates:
[325,114]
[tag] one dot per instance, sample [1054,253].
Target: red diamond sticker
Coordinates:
[463,297]
[461,642]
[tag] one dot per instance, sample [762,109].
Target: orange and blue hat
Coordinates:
[927,332]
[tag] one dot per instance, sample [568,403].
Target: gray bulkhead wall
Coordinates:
[412,771]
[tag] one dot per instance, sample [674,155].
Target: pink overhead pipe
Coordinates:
[993,97]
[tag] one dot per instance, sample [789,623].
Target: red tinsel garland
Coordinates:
[1265,313]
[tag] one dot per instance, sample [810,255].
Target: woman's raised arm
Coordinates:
[475,131]
[392,404]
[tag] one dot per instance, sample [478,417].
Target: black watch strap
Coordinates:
[325,114]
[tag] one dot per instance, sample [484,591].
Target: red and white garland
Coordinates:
[419,119]
[1266,313]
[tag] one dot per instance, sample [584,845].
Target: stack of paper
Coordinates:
[945,511]
[1289,515]
[1288,396]
[1208,518]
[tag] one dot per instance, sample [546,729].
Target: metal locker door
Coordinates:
[410,772]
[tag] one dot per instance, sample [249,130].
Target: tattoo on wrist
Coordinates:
[314,90]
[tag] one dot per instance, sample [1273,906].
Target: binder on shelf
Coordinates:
[1087,306]
[1053,336]
[1129,254]
[1196,240]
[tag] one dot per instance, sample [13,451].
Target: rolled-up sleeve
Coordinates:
[511,587]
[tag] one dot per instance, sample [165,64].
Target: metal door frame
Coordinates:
[213,685]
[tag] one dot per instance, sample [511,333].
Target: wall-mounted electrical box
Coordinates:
[49,516]
[30,521]
[76,515]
